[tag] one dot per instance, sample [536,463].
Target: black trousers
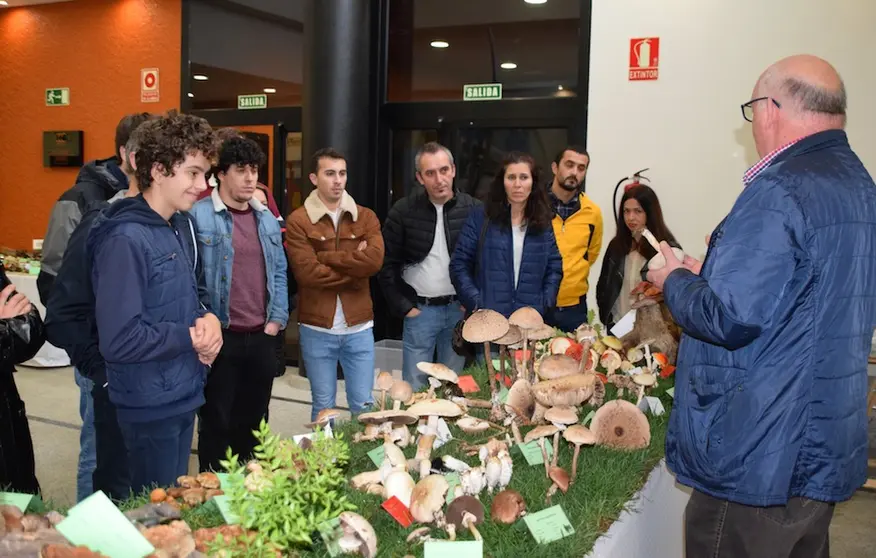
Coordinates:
[720,529]
[17,464]
[237,395]
[112,473]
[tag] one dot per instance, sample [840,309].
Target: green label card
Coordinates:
[20,501]
[98,524]
[532,452]
[331,532]
[549,525]
[224,505]
[456,549]
[452,482]
[503,394]
[671,392]
[226,480]
[589,417]
[377,455]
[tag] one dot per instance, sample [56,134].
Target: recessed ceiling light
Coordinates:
[439,44]
[559,88]
[191,95]
[200,77]
[535,1]
[508,65]
[270,90]
[4,3]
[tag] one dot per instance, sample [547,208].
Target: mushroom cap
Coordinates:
[457,508]
[355,523]
[622,425]
[635,354]
[579,435]
[585,332]
[610,359]
[645,379]
[570,390]
[542,333]
[526,318]
[435,407]
[484,326]
[324,416]
[472,425]
[520,396]
[612,342]
[438,371]
[401,391]
[560,478]
[507,506]
[384,380]
[542,431]
[552,367]
[397,417]
[428,497]
[562,414]
[399,484]
[513,336]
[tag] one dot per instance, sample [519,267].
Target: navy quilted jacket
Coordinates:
[146,298]
[541,269]
[771,386]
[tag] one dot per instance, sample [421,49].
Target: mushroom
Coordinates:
[528,320]
[520,397]
[419,535]
[386,421]
[437,373]
[578,435]
[372,432]
[485,326]
[208,480]
[433,409]
[620,424]
[358,535]
[559,345]
[383,383]
[428,498]
[472,425]
[399,484]
[188,481]
[621,382]
[560,479]
[157,496]
[613,342]
[644,380]
[400,392]
[194,496]
[507,507]
[513,337]
[324,417]
[570,390]
[465,512]
[540,433]
[560,416]
[635,355]
[611,361]
[552,367]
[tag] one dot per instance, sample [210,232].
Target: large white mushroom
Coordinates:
[428,497]
[437,373]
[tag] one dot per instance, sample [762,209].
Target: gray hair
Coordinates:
[811,98]
[431,148]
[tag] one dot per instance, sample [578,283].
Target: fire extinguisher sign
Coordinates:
[644,58]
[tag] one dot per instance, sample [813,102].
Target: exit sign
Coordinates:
[482,92]
[246,102]
[58,97]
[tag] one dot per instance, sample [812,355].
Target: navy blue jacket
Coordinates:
[541,268]
[146,299]
[771,386]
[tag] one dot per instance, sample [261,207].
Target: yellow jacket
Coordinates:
[579,239]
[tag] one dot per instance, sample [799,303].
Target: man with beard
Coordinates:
[578,229]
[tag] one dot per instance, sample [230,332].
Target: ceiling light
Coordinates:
[535,1]
[269,90]
[4,3]
[559,88]
[439,44]
[508,65]
[191,95]
[200,77]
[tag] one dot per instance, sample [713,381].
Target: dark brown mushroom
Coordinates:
[465,512]
[561,480]
[507,507]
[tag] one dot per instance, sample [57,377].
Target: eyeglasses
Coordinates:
[748,109]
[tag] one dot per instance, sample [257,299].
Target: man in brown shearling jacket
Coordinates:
[334,247]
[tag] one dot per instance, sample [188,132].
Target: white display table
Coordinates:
[49,356]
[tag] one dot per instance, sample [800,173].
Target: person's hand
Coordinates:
[272,329]
[12,306]
[207,337]
[362,246]
[693,264]
[414,312]
[658,276]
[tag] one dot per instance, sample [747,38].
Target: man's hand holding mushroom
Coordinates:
[658,276]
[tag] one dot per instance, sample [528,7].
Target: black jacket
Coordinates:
[96,183]
[408,235]
[611,279]
[20,338]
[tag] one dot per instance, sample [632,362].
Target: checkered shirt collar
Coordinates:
[759,167]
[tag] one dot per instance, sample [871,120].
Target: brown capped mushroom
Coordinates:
[358,535]
[383,383]
[400,392]
[540,433]
[560,479]
[465,512]
[437,373]
[528,320]
[212,493]
[552,367]
[175,492]
[571,390]
[578,435]
[323,418]
[208,480]
[620,424]
[428,498]
[158,495]
[560,416]
[194,496]
[507,507]
[485,326]
[188,481]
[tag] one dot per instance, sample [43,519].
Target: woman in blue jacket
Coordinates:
[506,256]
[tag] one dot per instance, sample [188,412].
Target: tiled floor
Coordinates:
[52,400]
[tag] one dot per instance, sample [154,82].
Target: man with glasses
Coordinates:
[770,420]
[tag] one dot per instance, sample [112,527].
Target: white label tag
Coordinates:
[625,324]
[651,405]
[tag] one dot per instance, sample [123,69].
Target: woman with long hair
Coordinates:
[506,256]
[628,252]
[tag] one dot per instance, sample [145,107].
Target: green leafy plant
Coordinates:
[287,492]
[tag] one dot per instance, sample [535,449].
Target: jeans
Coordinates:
[158,450]
[87,446]
[721,529]
[112,474]
[568,318]
[321,352]
[237,394]
[423,334]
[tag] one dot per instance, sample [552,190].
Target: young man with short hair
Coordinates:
[154,334]
[245,271]
[334,247]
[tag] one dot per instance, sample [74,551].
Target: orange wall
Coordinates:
[96,48]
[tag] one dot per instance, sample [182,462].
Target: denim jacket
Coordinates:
[215,226]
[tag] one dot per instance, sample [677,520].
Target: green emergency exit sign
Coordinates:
[482,92]
[58,97]
[246,102]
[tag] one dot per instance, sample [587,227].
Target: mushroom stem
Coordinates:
[551,491]
[641,394]
[491,372]
[525,359]
[544,456]
[575,463]
[382,399]
[556,448]
[396,405]
[502,352]
[468,520]
[518,438]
